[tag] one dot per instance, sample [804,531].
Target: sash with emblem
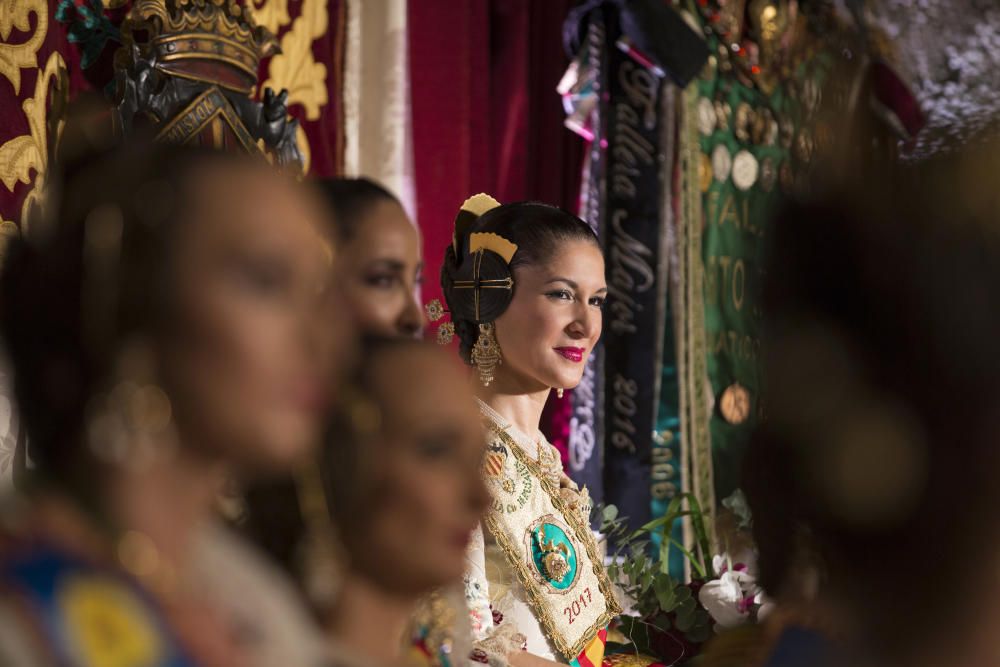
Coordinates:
[88,615]
[549,546]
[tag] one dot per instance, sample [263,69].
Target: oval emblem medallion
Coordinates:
[553,555]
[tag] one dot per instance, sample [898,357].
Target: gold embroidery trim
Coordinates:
[582,534]
[272,14]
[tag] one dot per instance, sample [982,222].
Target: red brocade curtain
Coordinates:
[486,118]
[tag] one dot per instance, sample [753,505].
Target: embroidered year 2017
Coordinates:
[578,605]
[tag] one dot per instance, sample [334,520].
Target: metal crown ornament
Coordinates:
[214,40]
[189,67]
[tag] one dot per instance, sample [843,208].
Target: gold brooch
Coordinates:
[554,559]
[435,311]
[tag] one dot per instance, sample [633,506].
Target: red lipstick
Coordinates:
[574,354]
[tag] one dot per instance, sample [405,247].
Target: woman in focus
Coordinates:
[525,287]
[163,332]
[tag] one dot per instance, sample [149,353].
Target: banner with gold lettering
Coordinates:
[631,236]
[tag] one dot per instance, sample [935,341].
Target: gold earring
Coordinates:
[486,353]
[322,556]
[132,424]
[559,392]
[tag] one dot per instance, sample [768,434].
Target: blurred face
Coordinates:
[379,270]
[256,346]
[554,320]
[428,458]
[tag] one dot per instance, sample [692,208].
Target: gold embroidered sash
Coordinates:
[548,545]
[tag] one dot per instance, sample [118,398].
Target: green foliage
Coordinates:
[664,604]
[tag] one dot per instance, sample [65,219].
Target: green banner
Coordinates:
[756,147]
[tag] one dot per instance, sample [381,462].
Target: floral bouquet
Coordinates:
[671,619]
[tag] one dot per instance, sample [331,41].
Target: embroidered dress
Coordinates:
[535,579]
[440,635]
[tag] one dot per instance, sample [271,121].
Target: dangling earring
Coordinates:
[132,424]
[486,353]
[322,557]
[559,392]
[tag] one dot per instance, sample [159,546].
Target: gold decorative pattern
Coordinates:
[272,14]
[696,440]
[479,204]
[20,155]
[494,242]
[583,535]
[295,69]
[14,14]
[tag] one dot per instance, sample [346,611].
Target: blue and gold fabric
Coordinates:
[87,615]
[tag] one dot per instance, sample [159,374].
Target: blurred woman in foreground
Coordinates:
[877,466]
[171,323]
[384,517]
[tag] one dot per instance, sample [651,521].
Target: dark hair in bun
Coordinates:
[351,200]
[536,229]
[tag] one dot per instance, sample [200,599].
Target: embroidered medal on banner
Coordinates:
[549,546]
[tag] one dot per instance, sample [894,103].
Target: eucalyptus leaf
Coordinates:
[699,632]
[663,623]
[664,589]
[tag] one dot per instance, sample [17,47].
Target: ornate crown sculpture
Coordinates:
[188,67]
[204,40]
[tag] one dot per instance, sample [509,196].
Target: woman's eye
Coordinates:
[381,280]
[263,278]
[598,301]
[564,295]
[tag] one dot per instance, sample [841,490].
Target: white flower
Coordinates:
[731,598]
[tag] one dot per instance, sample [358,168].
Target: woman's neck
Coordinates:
[369,621]
[168,501]
[520,406]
